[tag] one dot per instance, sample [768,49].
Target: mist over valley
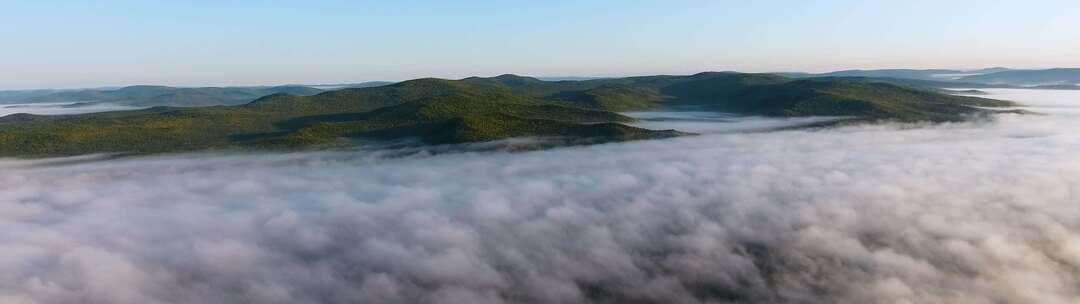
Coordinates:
[745,212]
[540,152]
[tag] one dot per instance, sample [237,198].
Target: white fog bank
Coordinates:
[60,108]
[1064,102]
[981,212]
[701,122]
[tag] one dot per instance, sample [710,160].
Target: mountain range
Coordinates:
[475,109]
[1050,77]
[1056,78]
[149,96]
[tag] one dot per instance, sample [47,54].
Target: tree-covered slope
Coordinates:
[436,111]
[766,94]
[470,110]
[845,97]
[869,100]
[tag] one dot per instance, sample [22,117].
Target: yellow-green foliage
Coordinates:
[474,109]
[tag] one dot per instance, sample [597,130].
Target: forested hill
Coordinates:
[471,110]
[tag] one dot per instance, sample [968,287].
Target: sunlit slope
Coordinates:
[437,111]
[470,110]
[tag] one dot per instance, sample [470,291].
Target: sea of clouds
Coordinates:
[979,212]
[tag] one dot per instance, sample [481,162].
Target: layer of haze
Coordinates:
[66,43]
[60,108]
[980,212]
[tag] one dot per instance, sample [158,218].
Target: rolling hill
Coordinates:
[757,94]
[920,74]
[1048,77]
[470,110]
[18,96]
[151,96]
[1057,78]
[148,96]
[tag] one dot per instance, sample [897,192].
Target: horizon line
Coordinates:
[541,77]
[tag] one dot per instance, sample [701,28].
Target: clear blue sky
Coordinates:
[67,44]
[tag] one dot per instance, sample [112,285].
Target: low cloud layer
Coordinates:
[985,212]
[59,108]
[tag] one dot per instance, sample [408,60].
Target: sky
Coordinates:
[68,44]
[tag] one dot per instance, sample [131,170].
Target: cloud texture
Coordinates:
[985,212]
[59,108]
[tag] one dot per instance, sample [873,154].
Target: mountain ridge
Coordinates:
[158,95]
[1055,76]
[441,111]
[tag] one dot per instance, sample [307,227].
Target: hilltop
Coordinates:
[471,110]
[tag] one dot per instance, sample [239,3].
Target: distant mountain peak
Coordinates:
[513,77]
[510,80]
[710,73]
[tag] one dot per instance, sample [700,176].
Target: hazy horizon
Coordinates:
[556,77]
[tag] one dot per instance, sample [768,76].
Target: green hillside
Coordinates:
[765,94]
[842,98]
[434,110]
[469,110]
